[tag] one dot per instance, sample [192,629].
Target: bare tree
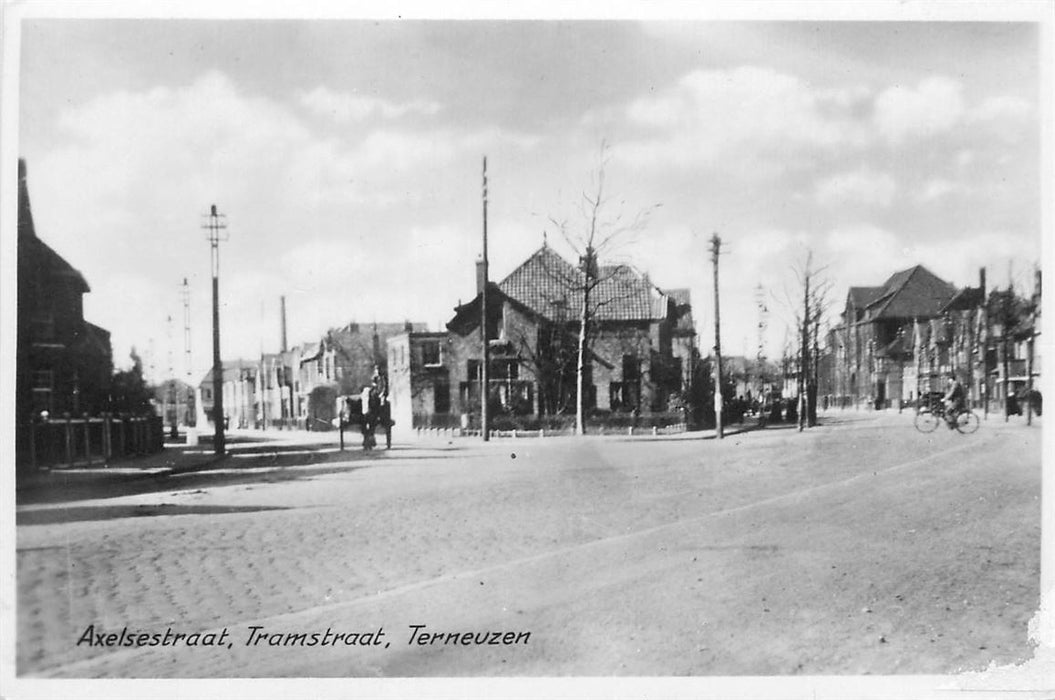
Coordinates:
[808,318]
[601,228]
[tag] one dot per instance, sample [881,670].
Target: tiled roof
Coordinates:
[898,347]
[915,292]
[551,287]
[863,296]
[966,298]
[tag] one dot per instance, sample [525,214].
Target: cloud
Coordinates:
[861,186]
[935,105]
[1002,107]
[345,107]
[937,189]
[125,186]
[741,113]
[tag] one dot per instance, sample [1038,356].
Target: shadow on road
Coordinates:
[50,516]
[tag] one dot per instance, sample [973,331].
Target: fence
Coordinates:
[68,441]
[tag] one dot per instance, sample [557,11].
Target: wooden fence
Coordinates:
[85,441]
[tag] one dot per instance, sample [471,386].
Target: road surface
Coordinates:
[858,547]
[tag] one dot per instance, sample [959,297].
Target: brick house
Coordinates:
[642,347]
[895,341]
[63,363]
[343,361]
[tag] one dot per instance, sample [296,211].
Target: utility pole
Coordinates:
[804,401]
[986,340]
[485,372]
[716,246]
[1005,326]
[216,225]
[1034,303]
[760,358]
[170,384]
[185,296]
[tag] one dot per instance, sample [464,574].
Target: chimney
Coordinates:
[981,282]
[283,311]
[481,267]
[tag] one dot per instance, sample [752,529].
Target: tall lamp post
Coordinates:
[485,370]
[216,226]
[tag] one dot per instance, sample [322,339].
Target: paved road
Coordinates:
[861,546]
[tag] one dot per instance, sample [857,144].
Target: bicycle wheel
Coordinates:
[926,421]
[967,422]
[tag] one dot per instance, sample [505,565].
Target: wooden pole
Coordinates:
[485,370]
[716,245]
[69,440]
[87,439]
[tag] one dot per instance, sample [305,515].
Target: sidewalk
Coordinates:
[250,454]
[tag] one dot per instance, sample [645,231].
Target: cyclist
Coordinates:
[953,400]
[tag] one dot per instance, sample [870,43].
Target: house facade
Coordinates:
[298,388]
[64,363]
[899,341]
[641,349]
[872,344]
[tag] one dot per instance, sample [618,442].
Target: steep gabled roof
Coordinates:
[913,293]
[901,346]
[863,296]
[31,247]
[965,299]
[552,287]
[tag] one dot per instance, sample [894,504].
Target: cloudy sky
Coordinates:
[347,156]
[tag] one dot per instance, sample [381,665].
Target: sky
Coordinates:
[346,156]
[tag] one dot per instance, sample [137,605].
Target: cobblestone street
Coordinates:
[861,546]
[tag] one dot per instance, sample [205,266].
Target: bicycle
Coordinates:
[928,418]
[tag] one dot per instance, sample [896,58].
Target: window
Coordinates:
[430,353]
[43,382]
[442,394]
[43,325]
[206,394]
[472,370]
[43,379]
[505,369]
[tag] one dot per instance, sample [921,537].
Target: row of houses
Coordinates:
[898,341]
[892,344]
[298,387]
[641,352]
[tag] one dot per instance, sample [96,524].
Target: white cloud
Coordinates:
[740,113]
[938,189]
[861,186]
[935,105]
[1002,107]
[125,188]
[345,107]
[1006,116]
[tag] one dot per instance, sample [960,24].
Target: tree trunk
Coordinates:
[580,384]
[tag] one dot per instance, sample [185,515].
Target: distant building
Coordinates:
[345,360]
[64,363]
[240,404]
[640,355]
[899,341]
